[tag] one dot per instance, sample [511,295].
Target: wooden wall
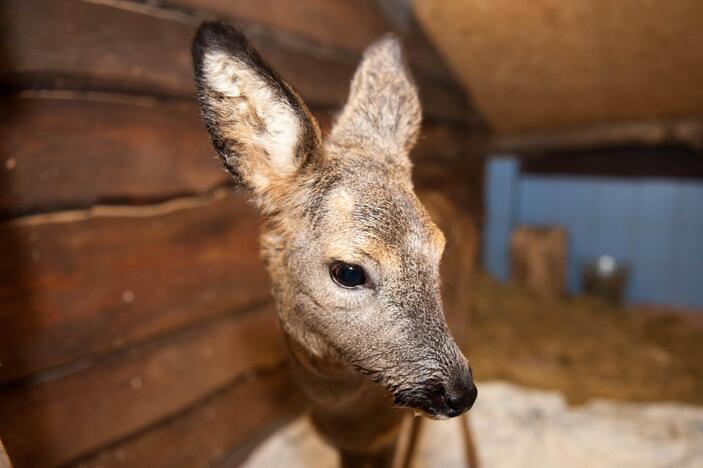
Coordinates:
[136,325]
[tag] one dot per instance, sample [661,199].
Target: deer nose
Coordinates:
[461,395]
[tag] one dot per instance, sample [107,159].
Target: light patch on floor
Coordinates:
[517,427]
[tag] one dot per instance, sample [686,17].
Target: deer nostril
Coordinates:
[461,397]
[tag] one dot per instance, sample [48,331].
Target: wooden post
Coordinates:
[538,256]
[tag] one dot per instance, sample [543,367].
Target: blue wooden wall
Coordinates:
[653,225]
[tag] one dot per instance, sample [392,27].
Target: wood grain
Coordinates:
[546,66]
[538,259]
[57,420]
[91,149]
[80,45]
[96,46]
[101,148]
[338,25]
[223,427]
[92,281]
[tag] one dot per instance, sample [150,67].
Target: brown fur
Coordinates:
[360,354]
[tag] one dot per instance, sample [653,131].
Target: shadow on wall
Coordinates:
[19,315]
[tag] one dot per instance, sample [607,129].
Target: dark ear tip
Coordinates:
[218,36]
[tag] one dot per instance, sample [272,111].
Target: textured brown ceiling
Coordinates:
[556,64]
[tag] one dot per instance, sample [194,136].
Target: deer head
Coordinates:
[353,255]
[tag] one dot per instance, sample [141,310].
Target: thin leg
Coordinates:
[469,443]
[407,446]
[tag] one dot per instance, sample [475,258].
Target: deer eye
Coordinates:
[347,275]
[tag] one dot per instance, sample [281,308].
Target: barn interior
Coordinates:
[560,152]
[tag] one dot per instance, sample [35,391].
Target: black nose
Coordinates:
[461,395]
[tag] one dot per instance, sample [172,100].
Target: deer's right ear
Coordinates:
[260,127]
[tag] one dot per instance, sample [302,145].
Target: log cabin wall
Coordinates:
[136,324]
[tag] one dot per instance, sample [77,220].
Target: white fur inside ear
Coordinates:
[260,117]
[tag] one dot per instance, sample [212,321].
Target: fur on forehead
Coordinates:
[382,220]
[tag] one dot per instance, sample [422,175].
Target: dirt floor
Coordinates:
[585,348]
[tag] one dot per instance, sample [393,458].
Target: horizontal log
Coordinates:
[223,427]
[84,45]
[341,24]
[330,24]
[125,150]
[100,149]
[96,45]
[90,281]
[685,132]
[58,420]
[631,161]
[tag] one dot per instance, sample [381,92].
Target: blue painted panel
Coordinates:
[501,178]
[614,202]
[500,194]
[574,200]
[535,201]
[495,250]
[611,239]
[689,286]
[653,242]
[653,225]
[657,203]
[692,205]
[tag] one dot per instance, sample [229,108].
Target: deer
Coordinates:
[352,253]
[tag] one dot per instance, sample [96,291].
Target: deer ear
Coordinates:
[259,126]
[383,108]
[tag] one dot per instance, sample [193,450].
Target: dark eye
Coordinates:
[347,275]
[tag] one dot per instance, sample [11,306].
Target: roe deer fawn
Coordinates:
[353,255]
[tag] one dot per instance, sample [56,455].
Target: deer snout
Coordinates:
[460,394]
[452,397]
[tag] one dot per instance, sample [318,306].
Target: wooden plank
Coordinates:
[538,260]
[81,45]
[99,46]
[683,132]
[635,161]
[125,150]
[329,24]
[225,426]
[91,281]
[351,26]
[101,149]
[57,420]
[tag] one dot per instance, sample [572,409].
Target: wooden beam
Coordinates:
[87,45]
[225,426]
[339,26]
[136,151]
[146,50]
[57,420]
[101,148]
[663,161]
[86,282]
[401,16]
[685,132]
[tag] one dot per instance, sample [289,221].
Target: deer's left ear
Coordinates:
[260,127]
[383,110]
